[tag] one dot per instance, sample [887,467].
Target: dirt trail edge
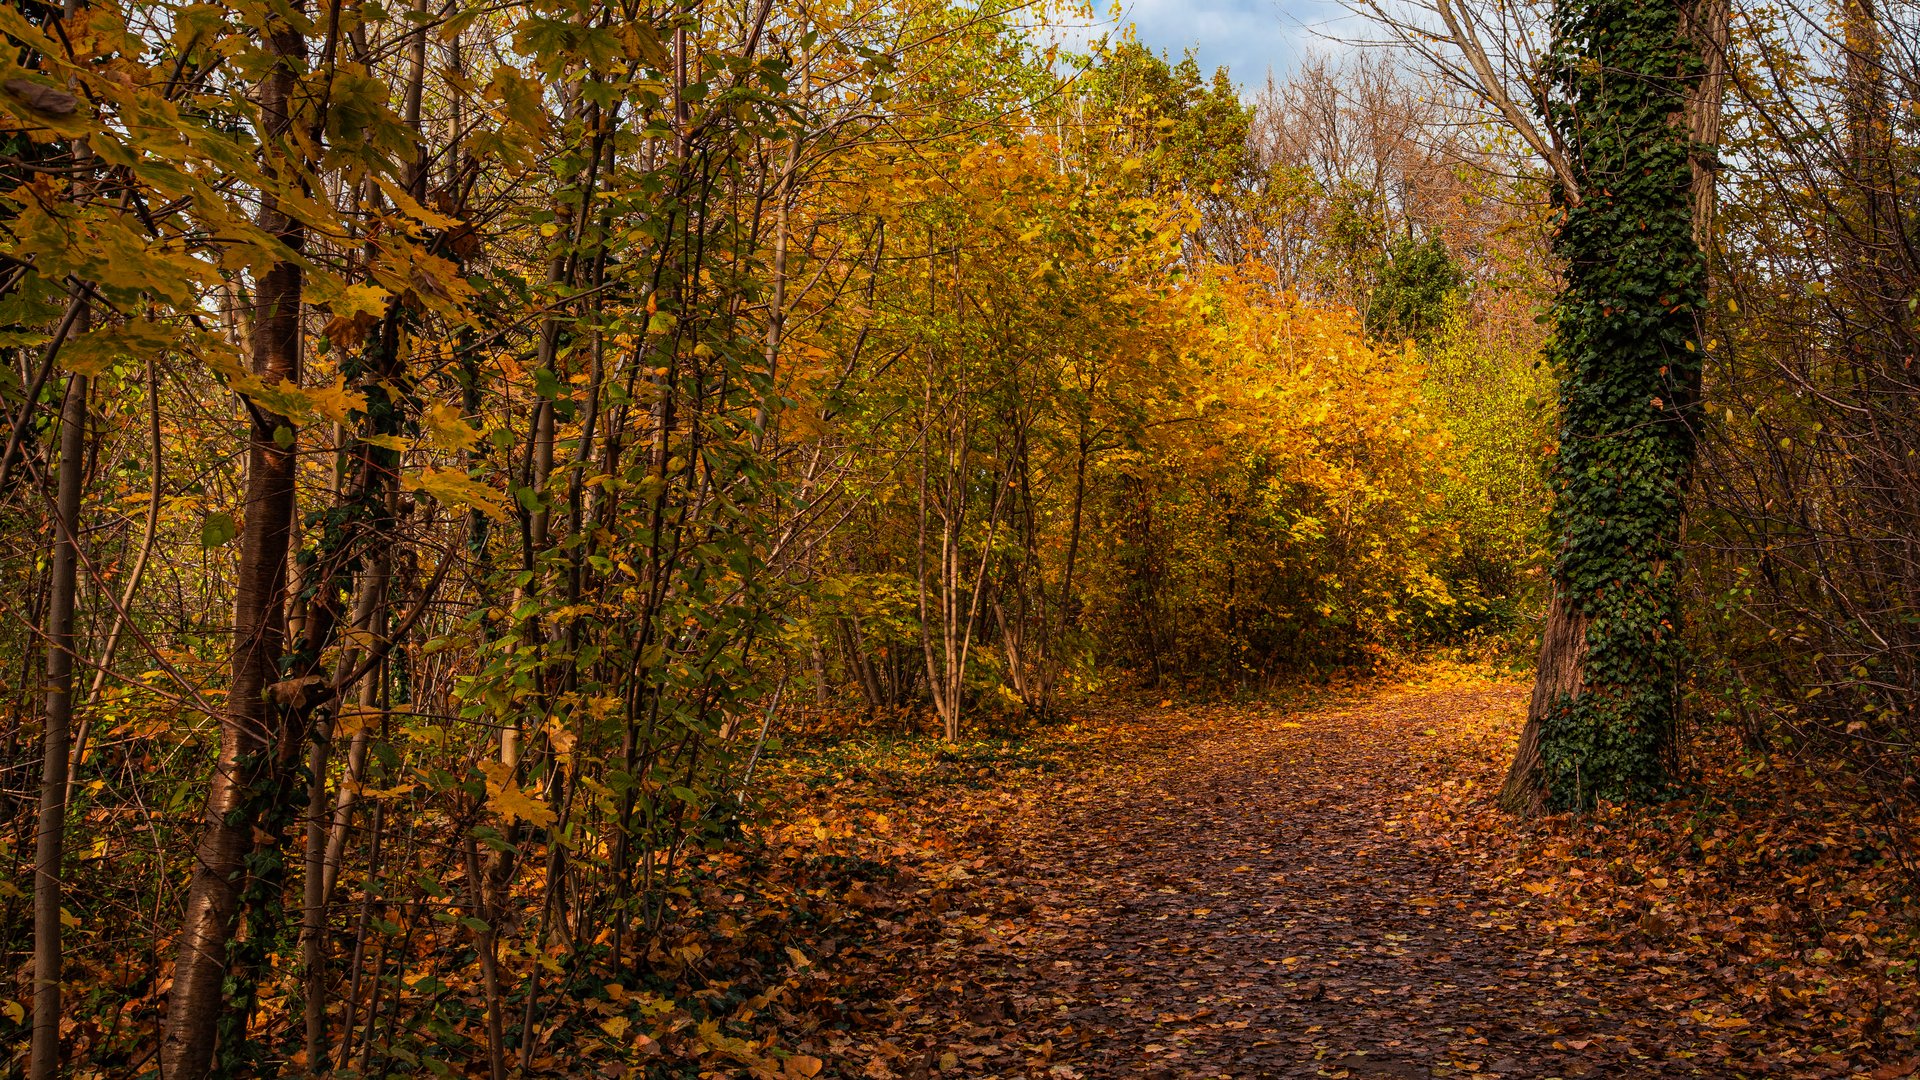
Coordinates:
[1256,896]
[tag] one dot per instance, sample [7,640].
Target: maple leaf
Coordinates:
[450,430]
[506,798]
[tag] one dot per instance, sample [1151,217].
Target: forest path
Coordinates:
[1256,896]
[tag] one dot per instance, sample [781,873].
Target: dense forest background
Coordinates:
[451,449]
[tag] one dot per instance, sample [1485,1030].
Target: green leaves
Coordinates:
[548,385]
[520,98]
[1625,337]
[217,529]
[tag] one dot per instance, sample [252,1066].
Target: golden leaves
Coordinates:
[93,244]
[351,301]
[93,352]
[332,402]
[454,488]
[448,429]
[506,798]
[412,208]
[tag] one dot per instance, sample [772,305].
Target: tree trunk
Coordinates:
[1563,652]
[251,729]
[1629,343]
[51,832]
[326,834]
[1708,27]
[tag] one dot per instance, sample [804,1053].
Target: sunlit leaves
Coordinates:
[449,430]
[455,488]
[92,353]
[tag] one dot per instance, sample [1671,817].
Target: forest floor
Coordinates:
[1318,888]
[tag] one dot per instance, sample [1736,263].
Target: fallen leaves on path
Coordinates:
[1259,890]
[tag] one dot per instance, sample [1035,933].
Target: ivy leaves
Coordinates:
[1626,348]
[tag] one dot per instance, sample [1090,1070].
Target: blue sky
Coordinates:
[1248,36]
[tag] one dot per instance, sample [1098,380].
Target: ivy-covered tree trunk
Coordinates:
[1627,343]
